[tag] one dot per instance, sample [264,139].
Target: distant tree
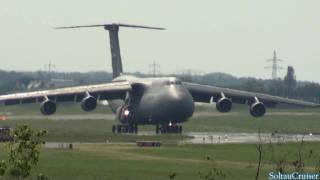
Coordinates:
[277,88]
[254,85]
[219,79]
[290,81]
[288,87]
[309,92]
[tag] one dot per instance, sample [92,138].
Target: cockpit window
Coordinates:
[174,81]
[167,82]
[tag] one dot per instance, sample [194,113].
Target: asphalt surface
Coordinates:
[216,138]
[197,137]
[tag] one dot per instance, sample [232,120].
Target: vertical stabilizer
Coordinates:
[115,50]
[114,42]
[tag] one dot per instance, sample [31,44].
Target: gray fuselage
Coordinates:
[160,100]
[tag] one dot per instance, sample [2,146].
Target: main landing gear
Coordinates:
[160,129]
[169,128]
[125,128]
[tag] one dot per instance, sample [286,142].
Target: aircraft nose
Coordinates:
[176,100]
[167,104]
[177,105]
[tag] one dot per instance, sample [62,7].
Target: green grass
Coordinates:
[85,131]
[99,130]
[122,162]
[103,161]
[246,123]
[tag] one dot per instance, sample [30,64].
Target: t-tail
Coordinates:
[114,42]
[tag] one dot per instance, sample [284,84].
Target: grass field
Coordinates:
[128,162]
[205,120]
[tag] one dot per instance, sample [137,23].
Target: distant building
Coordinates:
[57,83]
[36,85]
[39,84]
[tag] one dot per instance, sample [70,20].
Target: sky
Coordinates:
[231,36]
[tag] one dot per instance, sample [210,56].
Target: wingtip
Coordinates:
[62,27]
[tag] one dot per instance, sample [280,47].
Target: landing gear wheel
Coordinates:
[180,129]
[113,128]
[135,130]
[125,128]
[165,129]
[119,128]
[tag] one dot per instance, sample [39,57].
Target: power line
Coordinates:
[154,68]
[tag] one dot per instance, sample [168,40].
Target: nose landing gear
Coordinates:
[169,128]
[125,128]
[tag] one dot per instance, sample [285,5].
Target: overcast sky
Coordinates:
[232,36]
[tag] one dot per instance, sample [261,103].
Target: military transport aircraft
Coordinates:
[162,101]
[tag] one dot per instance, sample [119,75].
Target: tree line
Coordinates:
[284,87]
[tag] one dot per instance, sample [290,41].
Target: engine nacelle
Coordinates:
[89,103]
[224,105]
[257,109]
[48,107]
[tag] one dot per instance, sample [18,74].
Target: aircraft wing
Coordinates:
[205,93]
[106,91]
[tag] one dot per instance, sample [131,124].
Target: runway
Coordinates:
[111,117]
[217,138]
[211,138]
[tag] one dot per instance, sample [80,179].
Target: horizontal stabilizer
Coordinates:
[111,25]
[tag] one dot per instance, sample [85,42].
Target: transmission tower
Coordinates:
[275,65]
[154,69]
[50,69]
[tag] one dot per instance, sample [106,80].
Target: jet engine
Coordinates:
[48,107]
[257,109]
[89,103]
[224,105]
